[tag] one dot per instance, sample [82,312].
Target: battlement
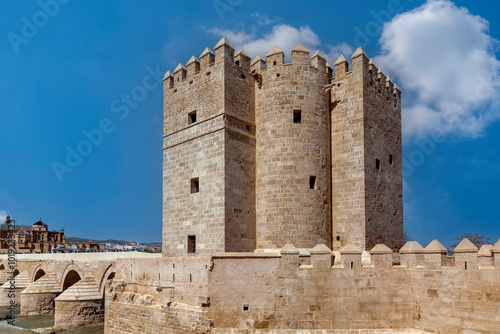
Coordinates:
[208,60]
[412,256]
[375,79]
[224,55]
[302,289]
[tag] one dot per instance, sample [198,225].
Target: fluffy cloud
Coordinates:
[262,19]
[336,50]
[444,61]
[440,55]
[283,35]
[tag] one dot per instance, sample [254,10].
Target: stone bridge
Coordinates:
[71,286]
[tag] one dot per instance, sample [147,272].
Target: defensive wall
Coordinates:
[418,290]
[71,286]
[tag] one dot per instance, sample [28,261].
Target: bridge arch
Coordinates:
[108,274]
[72,274]
[38,273]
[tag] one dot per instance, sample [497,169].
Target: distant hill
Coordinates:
[84,240]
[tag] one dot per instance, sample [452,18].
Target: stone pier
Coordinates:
[80,305]
[38,298]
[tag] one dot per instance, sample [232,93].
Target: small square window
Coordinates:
[297,116]
[377,164]
[245,307]
[195,185]
[312,182]
[192,117]
[247,127]
[192,244]
[391,159]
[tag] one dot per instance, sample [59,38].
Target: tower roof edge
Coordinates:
[273,51]
[341,59]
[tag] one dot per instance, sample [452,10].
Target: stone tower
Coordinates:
[209,154]
[367,181]
[293,151]
[261,154]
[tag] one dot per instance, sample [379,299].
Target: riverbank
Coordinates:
[36,324]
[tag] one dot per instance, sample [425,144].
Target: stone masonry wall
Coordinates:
[159,295]
[239,156]
[243,280]
[240,200]
[290,153]
[38,303]
[347,135]
[265,291]
[217,148]
[187,213]
[366,127]
[78,313]
[383,186]
[281,294]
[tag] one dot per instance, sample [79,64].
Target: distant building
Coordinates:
[34,238]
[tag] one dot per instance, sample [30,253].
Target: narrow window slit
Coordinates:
[312,182]
[195,185]
[297,116]
[191,244]
[192,117]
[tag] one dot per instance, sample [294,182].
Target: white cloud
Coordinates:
[3,216]
[444,62]
[336,50]
[263,19]
[283,35]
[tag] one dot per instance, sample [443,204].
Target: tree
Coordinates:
[407,237]
[475,238]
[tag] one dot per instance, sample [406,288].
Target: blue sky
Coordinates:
[78,69]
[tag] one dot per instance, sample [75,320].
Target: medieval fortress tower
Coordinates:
[262,153]
[282,209]
[282,214]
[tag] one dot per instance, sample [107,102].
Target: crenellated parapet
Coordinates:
[225,54]
[275,289]
[412,256]
[208,61]
[373,77]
